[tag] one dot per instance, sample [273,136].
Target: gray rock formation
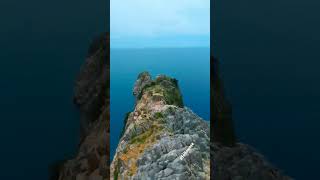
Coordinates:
[158,132]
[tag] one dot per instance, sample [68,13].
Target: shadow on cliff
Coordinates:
[92,97]
[221,110]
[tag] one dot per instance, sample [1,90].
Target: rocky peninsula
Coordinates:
[157,132]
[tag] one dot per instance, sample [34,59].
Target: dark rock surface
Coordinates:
[221,111]
[92,97]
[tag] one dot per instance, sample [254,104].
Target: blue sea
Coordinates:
[269,58]
[43,45]
[276,110]
[191,66]
[269,53]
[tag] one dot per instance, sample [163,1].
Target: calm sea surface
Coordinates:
[269,53]
[42,46]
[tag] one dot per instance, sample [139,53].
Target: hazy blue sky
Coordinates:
[160,23]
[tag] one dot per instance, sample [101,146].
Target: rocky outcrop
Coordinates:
[157,132]
[162,139]
[91,89]
[92,97]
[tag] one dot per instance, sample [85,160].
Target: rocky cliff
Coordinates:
[158,132]
[92,98]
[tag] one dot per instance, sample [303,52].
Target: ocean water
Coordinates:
[190,66]
[43,44]
[40,123]
[276,110]
[269,53]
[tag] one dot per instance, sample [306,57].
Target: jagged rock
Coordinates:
[154,152]
[143,79]
[91,88]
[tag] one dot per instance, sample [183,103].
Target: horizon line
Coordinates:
[162,47]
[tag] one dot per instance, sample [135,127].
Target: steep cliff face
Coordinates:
[221,111]
[92,97]
[158,132]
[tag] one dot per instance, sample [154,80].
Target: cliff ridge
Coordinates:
[158,131]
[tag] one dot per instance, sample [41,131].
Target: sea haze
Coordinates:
[190,66]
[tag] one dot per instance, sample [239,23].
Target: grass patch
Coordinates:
[141,138]
[145,88]
[173,97]
[139,144]
[116,171]
[158,115]
[168,87]
[124,124]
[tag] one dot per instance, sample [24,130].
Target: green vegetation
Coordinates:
[173,97]
[157,89]
[141,138]
[116,171]
[144,89]
[170,110]
[158,115]
[175,81]
[144,136]
[125,123]
[166,86]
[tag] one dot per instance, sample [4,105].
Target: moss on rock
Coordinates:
[166,87]
[124,123]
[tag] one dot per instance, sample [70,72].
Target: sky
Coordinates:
[159,23]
